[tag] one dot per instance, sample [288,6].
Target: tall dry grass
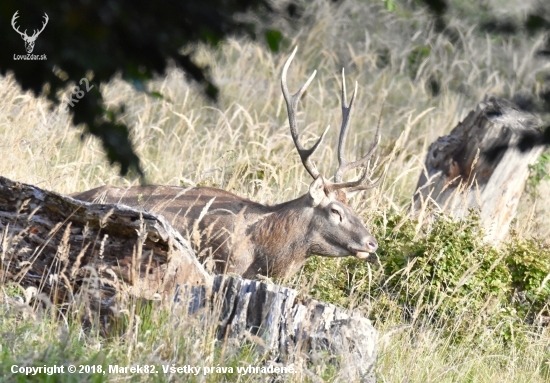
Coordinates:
[242,144]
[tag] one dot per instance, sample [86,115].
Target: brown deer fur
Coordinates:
[257,239]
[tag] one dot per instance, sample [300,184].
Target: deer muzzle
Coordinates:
[370,247]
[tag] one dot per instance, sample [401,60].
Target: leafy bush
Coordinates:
[443,272]
[529,263]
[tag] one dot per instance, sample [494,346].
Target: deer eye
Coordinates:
[337,213]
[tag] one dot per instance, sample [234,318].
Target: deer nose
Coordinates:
[372,245]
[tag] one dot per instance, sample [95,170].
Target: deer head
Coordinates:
[335,228]
[29,40]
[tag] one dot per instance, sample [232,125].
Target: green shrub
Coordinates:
[441,272]
[529,263]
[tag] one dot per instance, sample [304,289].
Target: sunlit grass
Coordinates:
[242,144]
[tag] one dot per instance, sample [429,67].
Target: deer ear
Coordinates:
[317,191]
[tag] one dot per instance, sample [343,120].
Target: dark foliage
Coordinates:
[526,141]
[536,22]
[99,38]
[500,26]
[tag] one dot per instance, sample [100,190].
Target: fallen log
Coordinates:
[294,331]
[57,245]
[459,175]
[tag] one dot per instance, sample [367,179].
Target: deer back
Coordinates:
[216,222]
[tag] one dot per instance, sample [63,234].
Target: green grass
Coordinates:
[449,307]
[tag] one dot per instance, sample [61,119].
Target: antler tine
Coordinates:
[346,113]
[36,32]
[345,166]
[357,185]
[44,23]
[13,19]
[291,104]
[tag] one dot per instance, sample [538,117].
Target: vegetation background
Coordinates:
[449,307]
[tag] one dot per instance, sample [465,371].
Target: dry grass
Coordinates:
[242,145]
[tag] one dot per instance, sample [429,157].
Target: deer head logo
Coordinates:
[29,40]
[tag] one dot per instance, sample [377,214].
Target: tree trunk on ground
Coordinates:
[459,176]
[57,245]
[295,330]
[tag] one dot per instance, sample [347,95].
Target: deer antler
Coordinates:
[305,154]
[24,34]
[291,103]
[15,16]
[44,23]
[343,165]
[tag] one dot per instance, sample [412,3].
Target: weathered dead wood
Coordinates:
[458,176]
[57,244]
[293,330]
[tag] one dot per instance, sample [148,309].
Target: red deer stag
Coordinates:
[248,238]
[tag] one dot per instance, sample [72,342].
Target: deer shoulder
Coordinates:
[237,235]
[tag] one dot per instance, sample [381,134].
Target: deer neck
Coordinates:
[281,238]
